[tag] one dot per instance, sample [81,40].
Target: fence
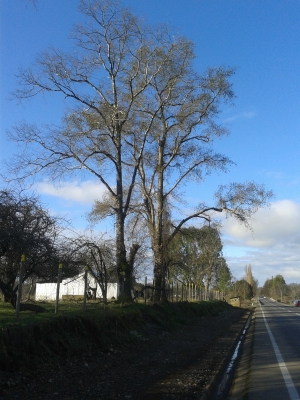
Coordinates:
[176,292]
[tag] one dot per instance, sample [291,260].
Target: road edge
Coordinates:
[212,387]
[240,381]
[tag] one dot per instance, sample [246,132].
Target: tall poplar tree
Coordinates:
[136,112]
[102,80]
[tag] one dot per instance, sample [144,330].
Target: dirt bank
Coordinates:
[152,355]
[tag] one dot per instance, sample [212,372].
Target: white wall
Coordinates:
[112,290]
[45,291]
[73,287]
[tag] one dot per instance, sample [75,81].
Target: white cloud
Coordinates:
[242,115]
[83,192]
[272,248]
[274,226]
[265,264]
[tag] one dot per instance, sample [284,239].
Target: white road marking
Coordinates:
[285,373]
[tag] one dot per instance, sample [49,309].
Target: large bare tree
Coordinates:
[184,108]
[135,111]
[97,256]
[103,82]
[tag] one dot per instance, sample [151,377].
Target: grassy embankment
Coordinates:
[35,337]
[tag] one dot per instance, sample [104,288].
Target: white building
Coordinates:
[73,287]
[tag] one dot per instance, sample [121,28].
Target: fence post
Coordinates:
[85,288]
[153,291]
[19,295]
[145,291]
[57,287]
[192,291]
[122,288]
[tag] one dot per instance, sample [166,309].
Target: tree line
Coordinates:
[245,288]
[195,257]
[141,120]
[26,228]
[277,288]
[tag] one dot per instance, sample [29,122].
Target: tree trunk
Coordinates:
[123,268]
[159,275]
[158,247]
[30,290]
[132,253]
[10,295]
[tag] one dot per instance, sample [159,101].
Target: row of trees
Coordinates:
[277,288]
[293,290]
[195,256]
[26,228]
[245,288]
[139,119]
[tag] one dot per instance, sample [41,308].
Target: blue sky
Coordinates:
[261,39]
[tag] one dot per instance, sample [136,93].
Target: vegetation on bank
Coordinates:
[35,338]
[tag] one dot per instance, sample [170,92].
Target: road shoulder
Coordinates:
[240,382]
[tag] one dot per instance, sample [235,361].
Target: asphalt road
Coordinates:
[270,368]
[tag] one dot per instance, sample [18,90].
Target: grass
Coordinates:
[162,314]
[36,336]
[8,314]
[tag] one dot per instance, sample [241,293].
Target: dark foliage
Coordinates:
[26,228]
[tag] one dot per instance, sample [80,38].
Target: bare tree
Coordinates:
[103,83]
[96,254]
[26,228]
[184,108]
[135,110]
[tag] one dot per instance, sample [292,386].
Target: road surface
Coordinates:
[270,368]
